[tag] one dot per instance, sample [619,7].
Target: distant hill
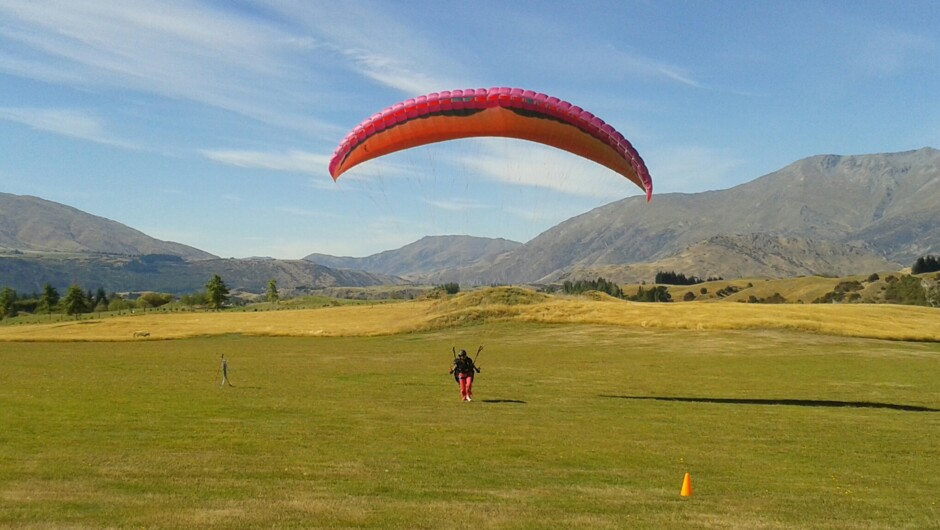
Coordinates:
[883,205]
[46,242]
[171,274]
[746,256]
[427,255]
[37,225]
[824,215]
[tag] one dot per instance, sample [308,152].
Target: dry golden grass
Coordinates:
[881,321]
[328,321]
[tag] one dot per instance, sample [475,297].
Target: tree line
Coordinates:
[674,278]
[77,301]
[658,293]
[925,264]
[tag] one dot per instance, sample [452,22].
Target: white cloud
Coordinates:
[290,161]
[66,122]
[179,50]
[377,44]
[390,72]
[534,165]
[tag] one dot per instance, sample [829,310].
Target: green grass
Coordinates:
[572,426]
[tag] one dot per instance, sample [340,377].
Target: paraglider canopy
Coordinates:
[504,112]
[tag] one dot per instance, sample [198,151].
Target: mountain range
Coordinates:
[823,215]
[46,242]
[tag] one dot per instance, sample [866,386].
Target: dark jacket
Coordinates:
[464,366]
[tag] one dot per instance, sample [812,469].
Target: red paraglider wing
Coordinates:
[505,112]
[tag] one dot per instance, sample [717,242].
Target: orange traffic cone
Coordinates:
[686,490]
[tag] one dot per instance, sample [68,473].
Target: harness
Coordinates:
[464,366]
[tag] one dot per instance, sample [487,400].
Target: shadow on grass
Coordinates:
[503,401]
[791,402]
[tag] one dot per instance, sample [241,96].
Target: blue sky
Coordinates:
[212,123]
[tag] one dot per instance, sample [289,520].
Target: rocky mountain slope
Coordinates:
[884,206]
[824,215]
[37,225]
[745,256]
[46,242]
[170,274]
[427,255]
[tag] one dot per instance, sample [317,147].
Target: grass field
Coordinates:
[574,425]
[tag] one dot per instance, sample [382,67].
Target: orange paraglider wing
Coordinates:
[505,112]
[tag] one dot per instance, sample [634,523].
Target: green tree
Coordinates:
[906,290]
[194,299]
[75,301]
[272,294]
[151,299]
[101,298]
[658,293]
[26,304]
[7,303]
[600,284]
[49,299]
[119,304]
[932,290]
[926,264]
[216,292]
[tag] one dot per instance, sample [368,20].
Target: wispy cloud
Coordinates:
[691,168]
[533,214]
[591,56]
[377,42]
[888,51]
[66,122]
[534,165]
[455,205]
[393,73]
[303,212]
[291,161]
[180,50]
[633,64]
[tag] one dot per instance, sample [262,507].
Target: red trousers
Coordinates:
[466,386]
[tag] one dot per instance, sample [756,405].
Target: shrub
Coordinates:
[658,293]
[726,291]
[849,286]
[450,288]
[775,298]
[906,290]
[843,292]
